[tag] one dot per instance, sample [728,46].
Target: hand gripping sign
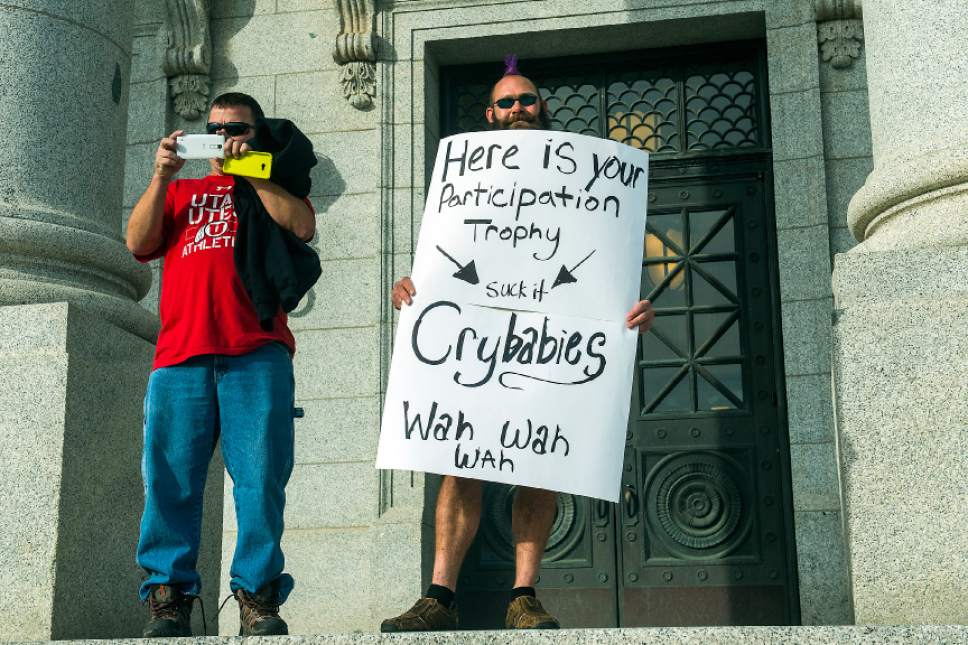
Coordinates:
[513,363]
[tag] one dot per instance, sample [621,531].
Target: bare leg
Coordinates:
[532,515]
[458,516]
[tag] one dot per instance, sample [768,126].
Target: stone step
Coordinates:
[879,635]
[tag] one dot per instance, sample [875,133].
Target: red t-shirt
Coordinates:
[204,307]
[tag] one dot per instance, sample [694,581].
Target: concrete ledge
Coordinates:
[921,634]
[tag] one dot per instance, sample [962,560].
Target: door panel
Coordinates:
[695,606]
[702,538]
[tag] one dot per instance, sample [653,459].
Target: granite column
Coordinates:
[901,324]
[75,346]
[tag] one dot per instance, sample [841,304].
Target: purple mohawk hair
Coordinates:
[511,65]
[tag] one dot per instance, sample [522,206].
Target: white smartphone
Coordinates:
[200,146]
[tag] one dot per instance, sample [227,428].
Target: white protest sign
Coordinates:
[514,364]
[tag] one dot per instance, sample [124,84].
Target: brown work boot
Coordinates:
[427,615]
[526,612]
[169,613]
[259,613]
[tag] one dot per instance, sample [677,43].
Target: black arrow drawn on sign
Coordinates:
[467,273]
[565,276]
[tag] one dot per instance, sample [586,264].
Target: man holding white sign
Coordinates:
[545,233]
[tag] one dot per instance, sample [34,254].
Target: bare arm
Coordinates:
[145,226]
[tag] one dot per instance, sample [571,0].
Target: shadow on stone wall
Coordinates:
[328,186]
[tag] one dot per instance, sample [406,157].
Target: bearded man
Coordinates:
[515,103]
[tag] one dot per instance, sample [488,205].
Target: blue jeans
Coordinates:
[249,400]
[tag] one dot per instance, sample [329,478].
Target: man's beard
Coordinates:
[522,121]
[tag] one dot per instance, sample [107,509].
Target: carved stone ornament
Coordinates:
[355,51]
[840,31]
[840,41]
[188,58]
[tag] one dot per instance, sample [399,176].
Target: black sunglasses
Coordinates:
[507,102]
[232,128]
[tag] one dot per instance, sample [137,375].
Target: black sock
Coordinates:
[517,592]
[441,594]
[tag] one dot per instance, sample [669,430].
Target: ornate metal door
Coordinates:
[704,532]
[704,527]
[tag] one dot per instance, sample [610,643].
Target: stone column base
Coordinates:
[900,365]
[71,412]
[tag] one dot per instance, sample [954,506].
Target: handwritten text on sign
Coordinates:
[513,363]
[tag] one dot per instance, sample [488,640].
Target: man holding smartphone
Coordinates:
[515,104]
[217,373]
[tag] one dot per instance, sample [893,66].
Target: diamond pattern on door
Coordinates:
[693,352]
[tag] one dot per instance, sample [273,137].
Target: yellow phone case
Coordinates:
[252,164]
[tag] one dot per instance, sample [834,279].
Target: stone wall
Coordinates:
[814,183]
[847,142]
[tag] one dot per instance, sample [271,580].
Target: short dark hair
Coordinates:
[238,99]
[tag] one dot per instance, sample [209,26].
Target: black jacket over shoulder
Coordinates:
[275,266]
